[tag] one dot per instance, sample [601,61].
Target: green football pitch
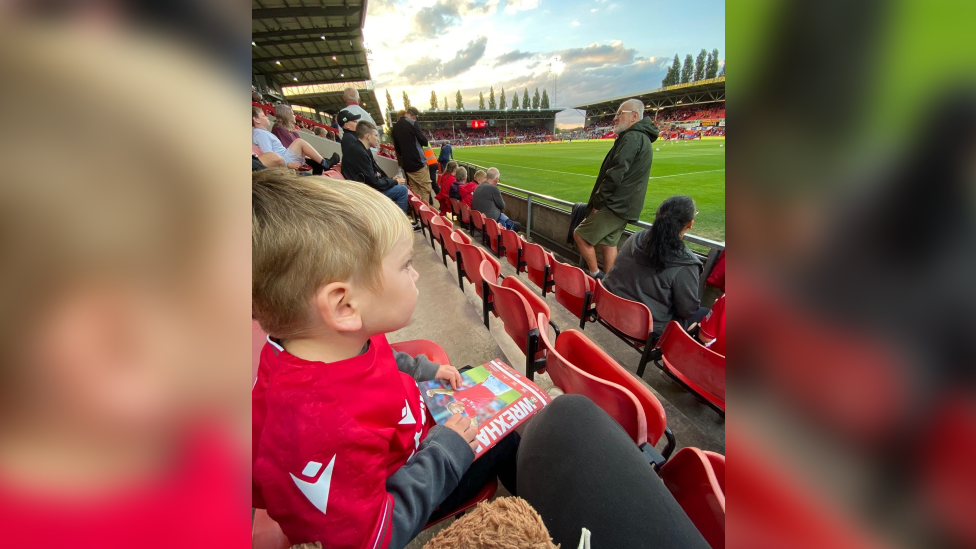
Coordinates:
[568,171]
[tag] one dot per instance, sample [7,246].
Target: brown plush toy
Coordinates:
[505,523]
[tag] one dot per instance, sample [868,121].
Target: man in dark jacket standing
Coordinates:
[358,164]
[618,195]
[409,142]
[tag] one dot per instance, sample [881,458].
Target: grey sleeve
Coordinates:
[497,197]
[425,480]
[419,368]
[685,291]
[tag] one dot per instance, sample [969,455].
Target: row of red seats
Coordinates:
[576,364]
[333,172]
[685,360]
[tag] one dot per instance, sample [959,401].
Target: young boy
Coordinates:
[344,451]
[467,190]
[443,197]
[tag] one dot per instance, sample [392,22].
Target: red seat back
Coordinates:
[536,260]
[630,317]
[255,150]
[512,243]
[463,238]
[491,228]
[334,174]
[571,286]
[465,213]
[416,347]
[471,258]
[692,480]
[615,400]
[456,206]
[478,220]
[450,244]
[441,229]
[510,306]
[590,358]
[426,214]
[698,367]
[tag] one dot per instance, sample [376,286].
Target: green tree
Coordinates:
[406,101]
[525,99]
[445,103]
[712,71]
[545,100]
[458,102]
[390,109]
[502,104]
[673,73]
[722,72]
[688,71]
[481,101]
[700,65]
[491,99]
[535,99]
[515,104]
[433,100]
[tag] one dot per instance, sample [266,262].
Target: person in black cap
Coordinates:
[347,121]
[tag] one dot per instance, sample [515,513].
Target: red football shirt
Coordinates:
[713,326]
[472,398]
[325,439]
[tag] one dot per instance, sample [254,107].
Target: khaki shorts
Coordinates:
[419,183]
[602,228]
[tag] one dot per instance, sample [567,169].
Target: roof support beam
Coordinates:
[312,55]
[310,69]
[282,13]
[316,31]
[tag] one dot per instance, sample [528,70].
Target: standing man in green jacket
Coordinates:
[618,195]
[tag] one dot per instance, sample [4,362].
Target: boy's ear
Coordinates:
[337,308]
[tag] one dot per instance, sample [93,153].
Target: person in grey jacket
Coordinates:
[656,268]
[488,200]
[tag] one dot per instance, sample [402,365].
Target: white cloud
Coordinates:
[612,7]
[575,23]
[513,6]
[593,10]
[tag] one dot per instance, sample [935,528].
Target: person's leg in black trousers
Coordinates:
[579,469]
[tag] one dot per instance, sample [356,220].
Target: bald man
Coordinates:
[618,194]
[351,97]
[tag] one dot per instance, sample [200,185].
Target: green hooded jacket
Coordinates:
[622,182]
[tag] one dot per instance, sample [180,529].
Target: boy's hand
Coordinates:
[449,373]
[462,425]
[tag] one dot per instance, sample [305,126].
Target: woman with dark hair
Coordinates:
[655,267]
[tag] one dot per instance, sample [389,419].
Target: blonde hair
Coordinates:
[480,176]
[311,231]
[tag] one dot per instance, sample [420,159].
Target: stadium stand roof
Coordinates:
[313,51]
[478,114]
[692,93]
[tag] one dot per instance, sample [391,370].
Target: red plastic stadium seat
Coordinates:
[492,234]
[440,231]
[692,477]
[478,223]
[572,287]
[697,367]
[449,246]
[538,263]
[255,150]
[616,401]
[520,311]
[513,249]
[266,534]
[458,238]
[334,174]
[629,320]
[471,258]
[456,208]
[416,347]
[465,216]
[590,358]
[426,214]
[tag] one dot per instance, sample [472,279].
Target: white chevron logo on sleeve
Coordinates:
[407,414]
[317,492]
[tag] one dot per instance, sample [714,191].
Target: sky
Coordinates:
[608,47]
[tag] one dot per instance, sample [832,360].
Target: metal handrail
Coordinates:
[694,239]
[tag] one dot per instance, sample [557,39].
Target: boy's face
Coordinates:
[392,307]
